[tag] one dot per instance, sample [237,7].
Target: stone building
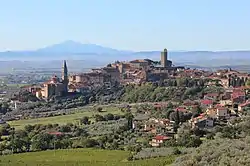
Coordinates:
[55,86]
[106,76]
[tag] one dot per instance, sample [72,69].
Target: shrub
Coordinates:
[153,152]
[176,151]
[218,152]
[109,117]
[99,118]
[85,120]
[130,157]
[6,152]
[99,109]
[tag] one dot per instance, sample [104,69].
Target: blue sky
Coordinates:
[126,24]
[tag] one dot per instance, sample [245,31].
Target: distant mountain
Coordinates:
[73,47]
[71,50]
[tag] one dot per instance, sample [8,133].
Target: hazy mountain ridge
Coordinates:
[71,50]
[71,47]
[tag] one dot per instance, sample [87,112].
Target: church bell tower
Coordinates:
[65,79]
[64,71]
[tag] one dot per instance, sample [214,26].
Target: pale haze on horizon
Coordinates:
[127,25]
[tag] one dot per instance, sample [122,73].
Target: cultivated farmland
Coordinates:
[80,157]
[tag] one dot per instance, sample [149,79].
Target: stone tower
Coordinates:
[164,58]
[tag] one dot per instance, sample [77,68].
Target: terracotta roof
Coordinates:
[213,77]
[181,109]
[55,133]
[221,108]
[189,71]
[238,89]
[218,105]
[207,102]
[158,105]
[189,103]
[139,61]
[237,94]
[241,88]
[203,114]
[161,137]
[201,117]
[245,104]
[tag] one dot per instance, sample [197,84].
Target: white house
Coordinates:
[222,112]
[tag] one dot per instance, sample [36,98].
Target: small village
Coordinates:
[226,100]
[124,83]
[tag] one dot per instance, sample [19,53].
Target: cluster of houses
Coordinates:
[161,128]
[216,107]
[222,107]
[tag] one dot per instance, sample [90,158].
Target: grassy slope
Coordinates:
[63,119]
[77,157]
[17,85]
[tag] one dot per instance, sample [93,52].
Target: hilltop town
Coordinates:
[138,71]
[124,83]
[156,102]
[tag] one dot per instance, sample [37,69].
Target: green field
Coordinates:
[80,157]
[64,119]
[17,85]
